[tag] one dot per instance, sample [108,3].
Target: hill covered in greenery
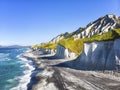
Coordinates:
[103,29]
[76,46]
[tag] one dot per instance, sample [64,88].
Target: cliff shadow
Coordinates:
[53,57]
[71,64]
[40,52]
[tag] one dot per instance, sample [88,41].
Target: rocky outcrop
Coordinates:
[59,37]
[62,52]
[66,35]
[100,55]
[100,26]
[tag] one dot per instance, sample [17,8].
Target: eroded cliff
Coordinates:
[103,55]
[62,52]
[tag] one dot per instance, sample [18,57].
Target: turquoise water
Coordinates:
[14,71]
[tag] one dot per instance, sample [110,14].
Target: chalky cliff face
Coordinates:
[100,55]
[104,55]
[62,52]
[95,55]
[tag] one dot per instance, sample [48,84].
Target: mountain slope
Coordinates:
[99,26]
[66,35]
[104,28]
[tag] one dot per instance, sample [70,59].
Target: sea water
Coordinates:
[14,71]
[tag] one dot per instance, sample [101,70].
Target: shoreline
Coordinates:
[33,80]
[27,67]
[54,77]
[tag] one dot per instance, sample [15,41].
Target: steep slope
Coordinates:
[76,46]
[100,55]
[62,52]
[66,35]
[100,26]
[93,32]
[59,37]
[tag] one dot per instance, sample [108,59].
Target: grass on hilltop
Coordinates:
[111,35]
[73,45]
[76,46]
[46,46]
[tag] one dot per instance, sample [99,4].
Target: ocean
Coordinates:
[14,71]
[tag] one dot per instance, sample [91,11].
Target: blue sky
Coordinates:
[29,22]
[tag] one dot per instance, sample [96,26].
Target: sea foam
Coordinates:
[25,79]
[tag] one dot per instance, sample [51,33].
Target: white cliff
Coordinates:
[100,55]
[62,52]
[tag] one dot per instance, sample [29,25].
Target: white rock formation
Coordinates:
[66,35]
[59,37]
[62,52]
[100,26]
[100,55]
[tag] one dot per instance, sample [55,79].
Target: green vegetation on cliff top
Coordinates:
[76,46]
[73,45]
[46,46]
[111,35]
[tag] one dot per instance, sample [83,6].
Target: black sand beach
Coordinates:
[49,75]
